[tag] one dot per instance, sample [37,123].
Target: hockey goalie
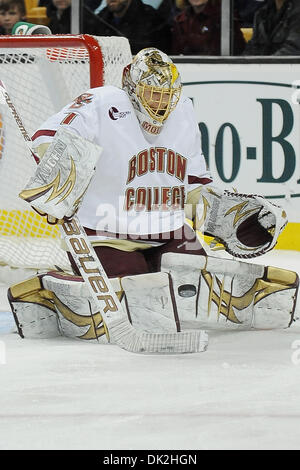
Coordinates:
[128,162]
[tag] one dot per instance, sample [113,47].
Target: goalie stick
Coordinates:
[119,329]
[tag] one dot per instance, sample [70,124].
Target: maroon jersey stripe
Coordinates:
[43,132]
[197,180]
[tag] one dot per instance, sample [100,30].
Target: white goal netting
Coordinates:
[40,81]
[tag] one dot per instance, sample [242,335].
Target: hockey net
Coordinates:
[41,75]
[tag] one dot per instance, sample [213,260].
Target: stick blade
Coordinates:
[132,340]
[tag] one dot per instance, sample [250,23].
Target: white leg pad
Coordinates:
[35,321]
[54,304]
[216,293]
[149,303]
[78,316]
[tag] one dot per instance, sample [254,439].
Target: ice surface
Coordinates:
[242,393]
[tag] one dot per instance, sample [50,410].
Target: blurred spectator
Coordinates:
[59,14]
[100,7]
[168,10]
[11,11]
[154,3]
[276,29]
[92,4]
[197,30]
[180,4]
[139,23]
[157,4]
[246,10]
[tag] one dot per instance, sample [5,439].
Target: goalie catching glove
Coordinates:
[247,225]
[62,177]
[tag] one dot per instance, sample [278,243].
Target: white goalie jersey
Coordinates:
[140,185]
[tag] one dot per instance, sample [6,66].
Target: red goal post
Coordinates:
[42,74]
[85,45]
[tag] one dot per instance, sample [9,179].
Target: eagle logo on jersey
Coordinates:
[85,98]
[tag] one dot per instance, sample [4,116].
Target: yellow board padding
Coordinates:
[289,239]
[31,224]
[26,224]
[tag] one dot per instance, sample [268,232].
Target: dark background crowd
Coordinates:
[178,27]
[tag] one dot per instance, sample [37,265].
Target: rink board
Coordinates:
[248,116]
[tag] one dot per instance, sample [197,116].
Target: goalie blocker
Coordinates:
[62,177]
[191,292]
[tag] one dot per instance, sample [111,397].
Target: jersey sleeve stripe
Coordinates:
[43,132]
[197,180]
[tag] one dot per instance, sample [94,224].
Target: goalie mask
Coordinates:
[153,85]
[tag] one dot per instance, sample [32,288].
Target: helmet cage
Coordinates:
[157,101]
